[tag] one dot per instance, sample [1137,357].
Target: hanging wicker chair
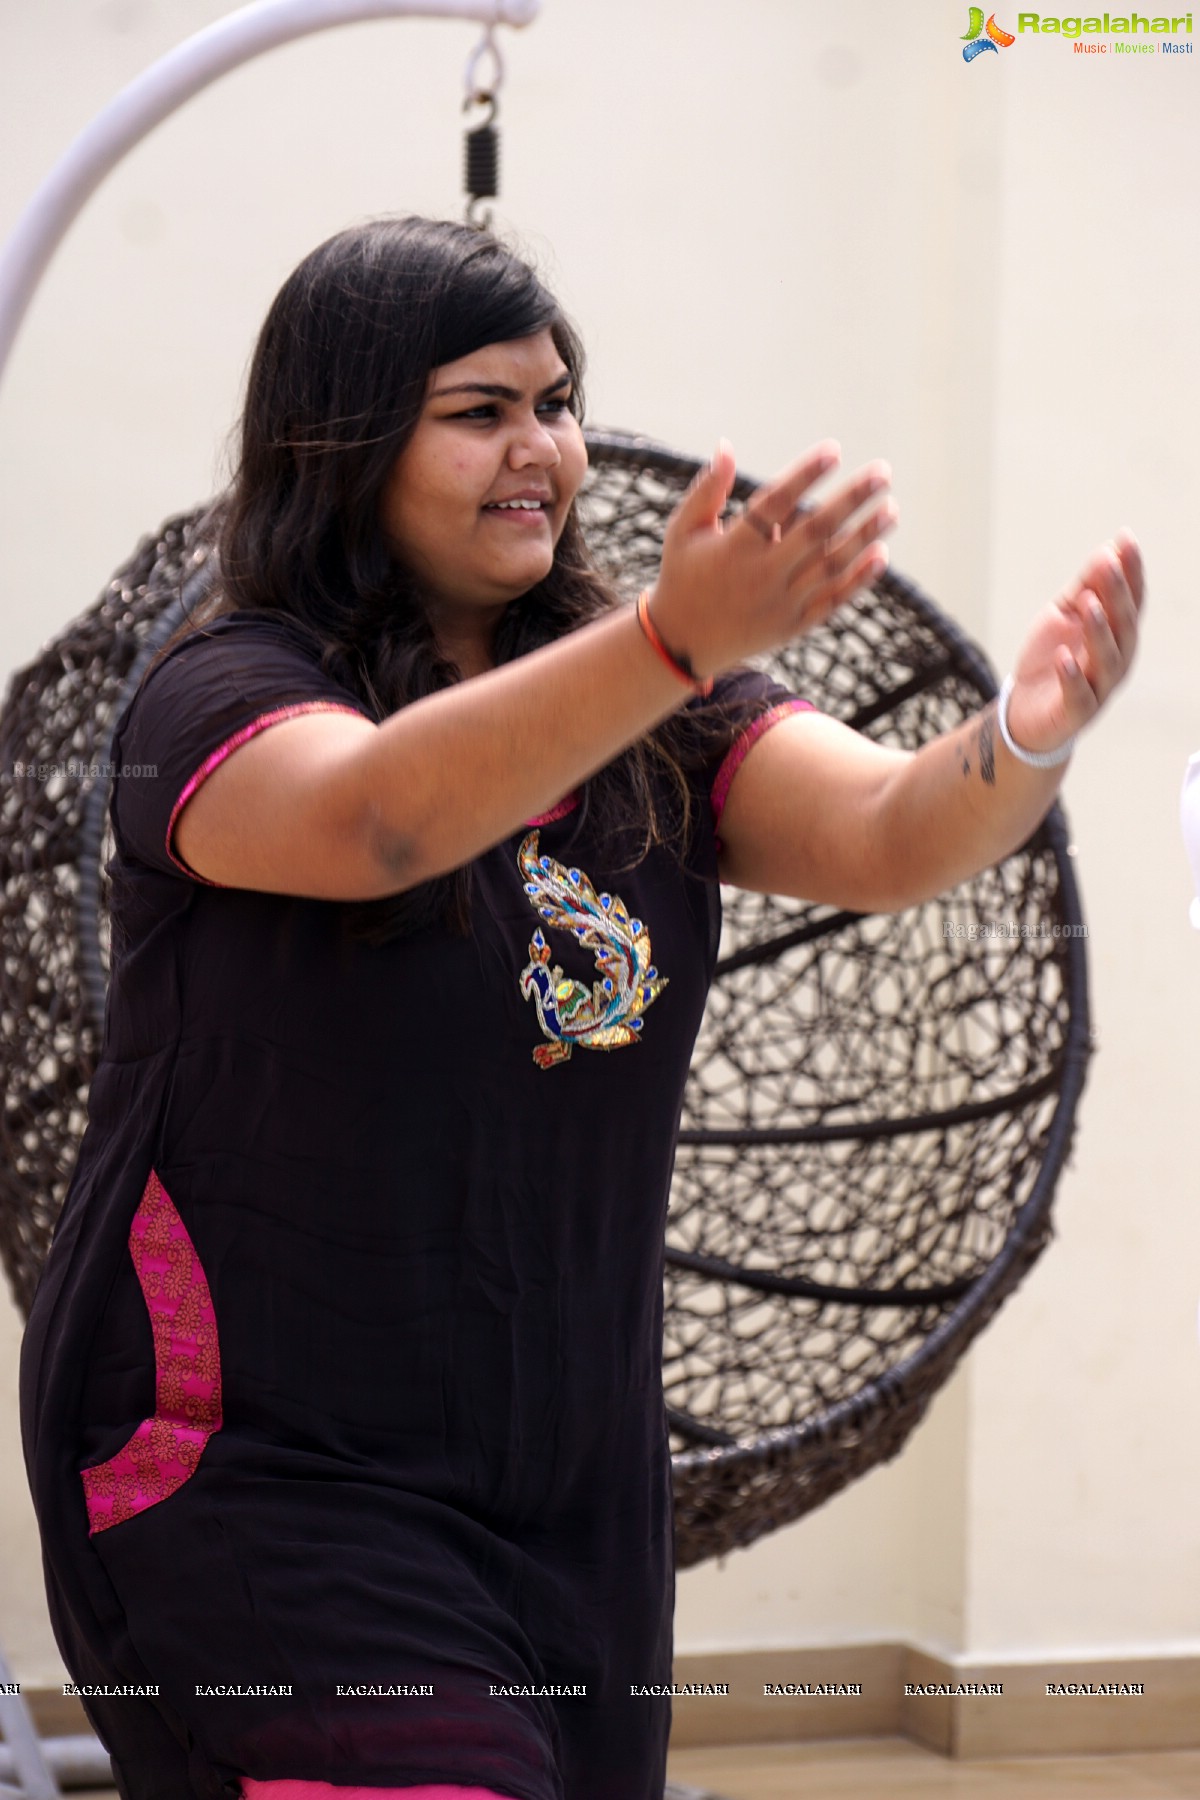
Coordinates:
[878,1108]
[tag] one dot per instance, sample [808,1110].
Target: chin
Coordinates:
[527,579]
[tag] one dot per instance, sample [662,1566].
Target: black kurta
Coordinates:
[344,1373]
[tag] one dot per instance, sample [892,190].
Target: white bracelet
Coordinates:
[1036,759]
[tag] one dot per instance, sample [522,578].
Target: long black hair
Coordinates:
[336,387]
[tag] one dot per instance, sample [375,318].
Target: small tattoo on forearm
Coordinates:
[987,749]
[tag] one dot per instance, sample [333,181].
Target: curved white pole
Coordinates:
[163,87]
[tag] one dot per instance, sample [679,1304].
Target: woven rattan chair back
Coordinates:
[878,1109]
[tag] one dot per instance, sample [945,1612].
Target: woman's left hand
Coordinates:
[1079,649]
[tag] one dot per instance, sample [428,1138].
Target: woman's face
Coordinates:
[478,497]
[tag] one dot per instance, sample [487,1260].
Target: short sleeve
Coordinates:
[754,704]
[217,688]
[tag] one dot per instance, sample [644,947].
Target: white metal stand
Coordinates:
[162,89]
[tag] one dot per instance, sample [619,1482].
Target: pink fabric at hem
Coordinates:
[223,750]
[326,1790]
[164,1450]
[737,754]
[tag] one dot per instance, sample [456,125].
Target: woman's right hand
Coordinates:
[330,807]
[726,591]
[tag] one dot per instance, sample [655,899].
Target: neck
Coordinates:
[469,644]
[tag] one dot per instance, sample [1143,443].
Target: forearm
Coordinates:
[456,772]
[956,806]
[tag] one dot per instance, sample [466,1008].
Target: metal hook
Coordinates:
[487,46]
[483,141]
[487,99]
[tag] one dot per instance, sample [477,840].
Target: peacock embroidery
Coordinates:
[609,1013]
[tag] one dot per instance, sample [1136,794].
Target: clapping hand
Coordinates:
[1079,649]
[727,591]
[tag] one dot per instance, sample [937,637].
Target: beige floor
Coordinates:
[880,1768]
[895,1769]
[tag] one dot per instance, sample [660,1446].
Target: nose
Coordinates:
[534,446]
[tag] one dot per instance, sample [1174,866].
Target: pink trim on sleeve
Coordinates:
[566,805]
[741,745]
[218,756]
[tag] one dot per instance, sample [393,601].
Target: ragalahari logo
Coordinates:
[974,42]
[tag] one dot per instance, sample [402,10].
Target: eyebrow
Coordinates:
[495,391]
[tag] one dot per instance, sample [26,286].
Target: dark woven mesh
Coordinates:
[58,713]
[876,1116]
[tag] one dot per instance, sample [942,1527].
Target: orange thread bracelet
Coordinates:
[677,664]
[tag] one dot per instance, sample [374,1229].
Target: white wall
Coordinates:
[775,220]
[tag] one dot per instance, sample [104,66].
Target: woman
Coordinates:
[342,1388]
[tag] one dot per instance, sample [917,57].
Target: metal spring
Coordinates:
[482,167]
